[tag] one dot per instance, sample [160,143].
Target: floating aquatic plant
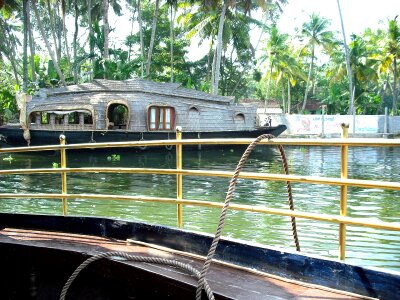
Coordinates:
[114,157]
[8,158]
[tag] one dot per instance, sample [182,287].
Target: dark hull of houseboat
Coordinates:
[36,266]
[12,136]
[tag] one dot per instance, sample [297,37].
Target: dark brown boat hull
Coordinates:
[107,234]
[12,136]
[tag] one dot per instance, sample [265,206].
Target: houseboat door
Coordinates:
[118,115]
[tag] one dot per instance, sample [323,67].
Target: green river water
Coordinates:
[365,246]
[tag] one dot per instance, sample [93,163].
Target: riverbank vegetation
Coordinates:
[61,42]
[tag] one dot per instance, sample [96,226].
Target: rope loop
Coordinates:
[152,259]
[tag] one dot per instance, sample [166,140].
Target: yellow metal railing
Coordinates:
[343,181]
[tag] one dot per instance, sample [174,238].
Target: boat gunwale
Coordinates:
[366,281]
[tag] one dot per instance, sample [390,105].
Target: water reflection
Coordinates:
[315,237]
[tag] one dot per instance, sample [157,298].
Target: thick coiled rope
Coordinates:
[229,195]
[154,260]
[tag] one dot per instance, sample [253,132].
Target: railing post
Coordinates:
[343,192]
[179,176]
[63,174]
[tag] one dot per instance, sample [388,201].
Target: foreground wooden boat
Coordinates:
[40,252]
[130,110]
[121,259]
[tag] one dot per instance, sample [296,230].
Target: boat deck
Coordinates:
[226,281]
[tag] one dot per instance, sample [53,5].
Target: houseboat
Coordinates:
[130,110]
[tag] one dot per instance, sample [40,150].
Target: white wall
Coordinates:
[312,124]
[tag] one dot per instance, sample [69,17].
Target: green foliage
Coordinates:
[282,70]
[8,106]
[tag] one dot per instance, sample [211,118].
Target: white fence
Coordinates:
[330,124]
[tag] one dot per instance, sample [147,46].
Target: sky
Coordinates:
[357,14]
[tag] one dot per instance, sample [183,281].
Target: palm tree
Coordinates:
[276,45]
[172,4]
[106,30]
[139,9]
[211,13]
[282,64]
[75,42]
[218,50]
[53,29]
[364,67]
[44,37]
[393,49]
[152,38]
[31,41]
[8,47]
[316,33]
[349,73]
[63,5]
[25,47]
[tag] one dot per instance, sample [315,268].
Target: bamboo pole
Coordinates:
[343,193]
[179,193]
[63,175]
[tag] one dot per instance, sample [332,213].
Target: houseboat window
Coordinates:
[73,118]
[193,110]
[117,115]
[87,118]
[161,118]
[239,118]
[167,118]
[153,114]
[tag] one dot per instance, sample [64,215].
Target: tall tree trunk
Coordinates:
[245,68]
[271,64]
[31,43]
[25,50]
[59,30]
[283,95]
[106,31]
[310,71]
[131,33]
[91,40]
[213,70]
[395,92]
[382,93]
[171,37]
[53,57]
[349,73]
[75,42]
[289,95]
[66,45]
[153,35]
[10,50]
[139,9]
[219,48]
[53,29]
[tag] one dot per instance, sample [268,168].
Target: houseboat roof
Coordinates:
[75,92]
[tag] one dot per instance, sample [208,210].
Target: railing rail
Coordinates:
[343,182]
